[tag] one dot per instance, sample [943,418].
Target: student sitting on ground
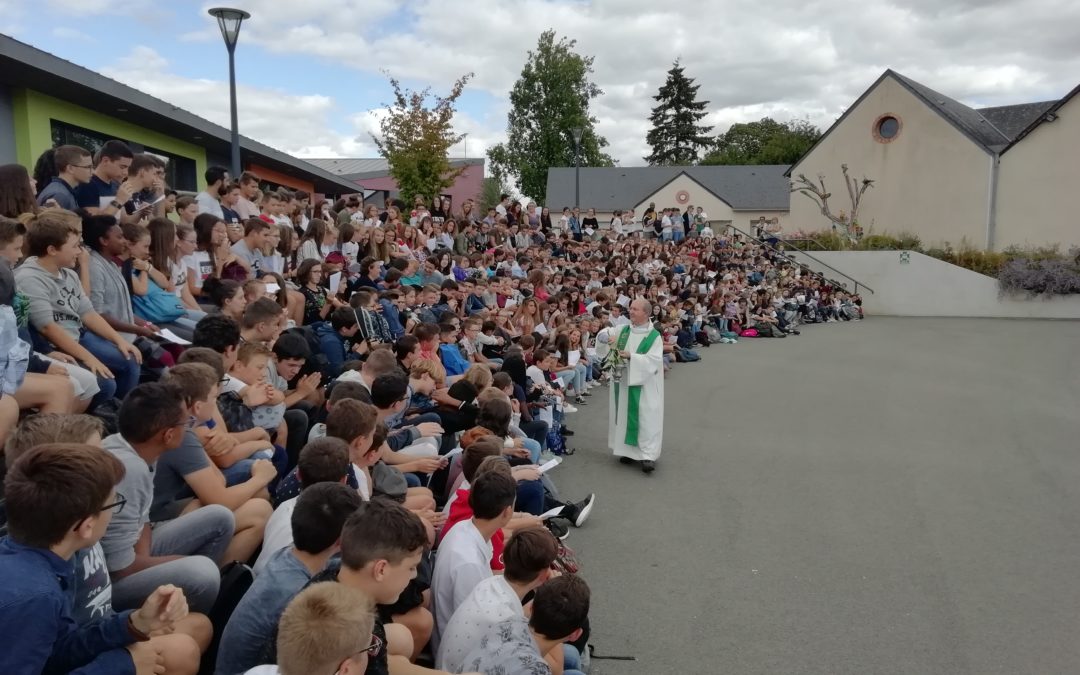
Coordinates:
[382,545]
[334,338]
[185,478]
[319,514]
[528,557]
[324,460]
[249,371]
[449,353]
[411,448]
[92,590]
[326,628]
[60,311]
[185,551]
[60,498]
[223,336]
[464,558]
[519,645]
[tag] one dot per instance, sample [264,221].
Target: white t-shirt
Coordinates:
[178,275]
[536,375]
[362,485]
[278,533]
[350,250]
[464,561]
[492,601]
[199,261]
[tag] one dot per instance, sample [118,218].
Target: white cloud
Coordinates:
[787,58]
[301,125]
[791,59]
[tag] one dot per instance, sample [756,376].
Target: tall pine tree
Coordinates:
[676,136]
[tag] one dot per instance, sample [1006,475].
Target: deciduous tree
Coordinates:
[549,99]
[416,138]
[763,142]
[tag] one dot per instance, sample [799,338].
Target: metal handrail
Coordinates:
[815,242]
[784,255]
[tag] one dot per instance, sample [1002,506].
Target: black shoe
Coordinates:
[648,466]
[558,527]
[579,513]
[626,460]
[565,432]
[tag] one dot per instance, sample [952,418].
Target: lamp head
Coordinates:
[229,21]
[576,132]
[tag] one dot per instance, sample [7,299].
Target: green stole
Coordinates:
[634,401]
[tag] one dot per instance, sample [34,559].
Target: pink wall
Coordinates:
[468,184]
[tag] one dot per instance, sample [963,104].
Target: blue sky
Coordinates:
[310,71]
[182,42]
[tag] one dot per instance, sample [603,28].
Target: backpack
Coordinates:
[158,305]
[236,579]
[749,332]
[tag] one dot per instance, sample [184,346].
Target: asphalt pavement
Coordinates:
[888,496]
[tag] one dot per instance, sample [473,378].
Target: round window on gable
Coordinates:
[887,128]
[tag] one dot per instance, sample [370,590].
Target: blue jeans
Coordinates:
[125,370]
[241,471]
[534,449]
[530,497]
[201,537]
[571,660]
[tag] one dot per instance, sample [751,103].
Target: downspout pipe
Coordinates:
[991,207]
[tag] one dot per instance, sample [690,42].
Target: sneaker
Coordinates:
[558,526]
[579,513]
[567,408]
[580,400]
[586,392]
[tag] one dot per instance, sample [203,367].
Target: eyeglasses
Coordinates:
[116,506]
[82,166]
[372,650]
[188,422]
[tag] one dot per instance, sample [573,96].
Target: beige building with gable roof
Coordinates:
[990,177]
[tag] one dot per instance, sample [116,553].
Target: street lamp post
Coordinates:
[229,21]
[576,132]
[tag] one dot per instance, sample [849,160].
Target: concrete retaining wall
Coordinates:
[925,286]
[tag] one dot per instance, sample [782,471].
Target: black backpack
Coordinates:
[236,579]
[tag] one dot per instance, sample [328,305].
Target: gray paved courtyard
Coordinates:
[893,496]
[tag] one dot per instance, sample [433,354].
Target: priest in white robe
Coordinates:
[636,413]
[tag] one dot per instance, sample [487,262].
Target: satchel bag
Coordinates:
[158,305]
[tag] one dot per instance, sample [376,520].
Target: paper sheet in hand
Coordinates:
[510,302]
[335,281]
[572,357]
[623,300]
[711,275]
[272,288]
[172,337]
[550,464]
[541,328]
[589,231]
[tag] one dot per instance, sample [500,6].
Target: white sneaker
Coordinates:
[567,408]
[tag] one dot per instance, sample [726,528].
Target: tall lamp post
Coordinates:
[229,21]
[576,132]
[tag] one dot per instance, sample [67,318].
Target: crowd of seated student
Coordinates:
[379,432]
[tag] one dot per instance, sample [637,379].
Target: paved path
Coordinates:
[893,496]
